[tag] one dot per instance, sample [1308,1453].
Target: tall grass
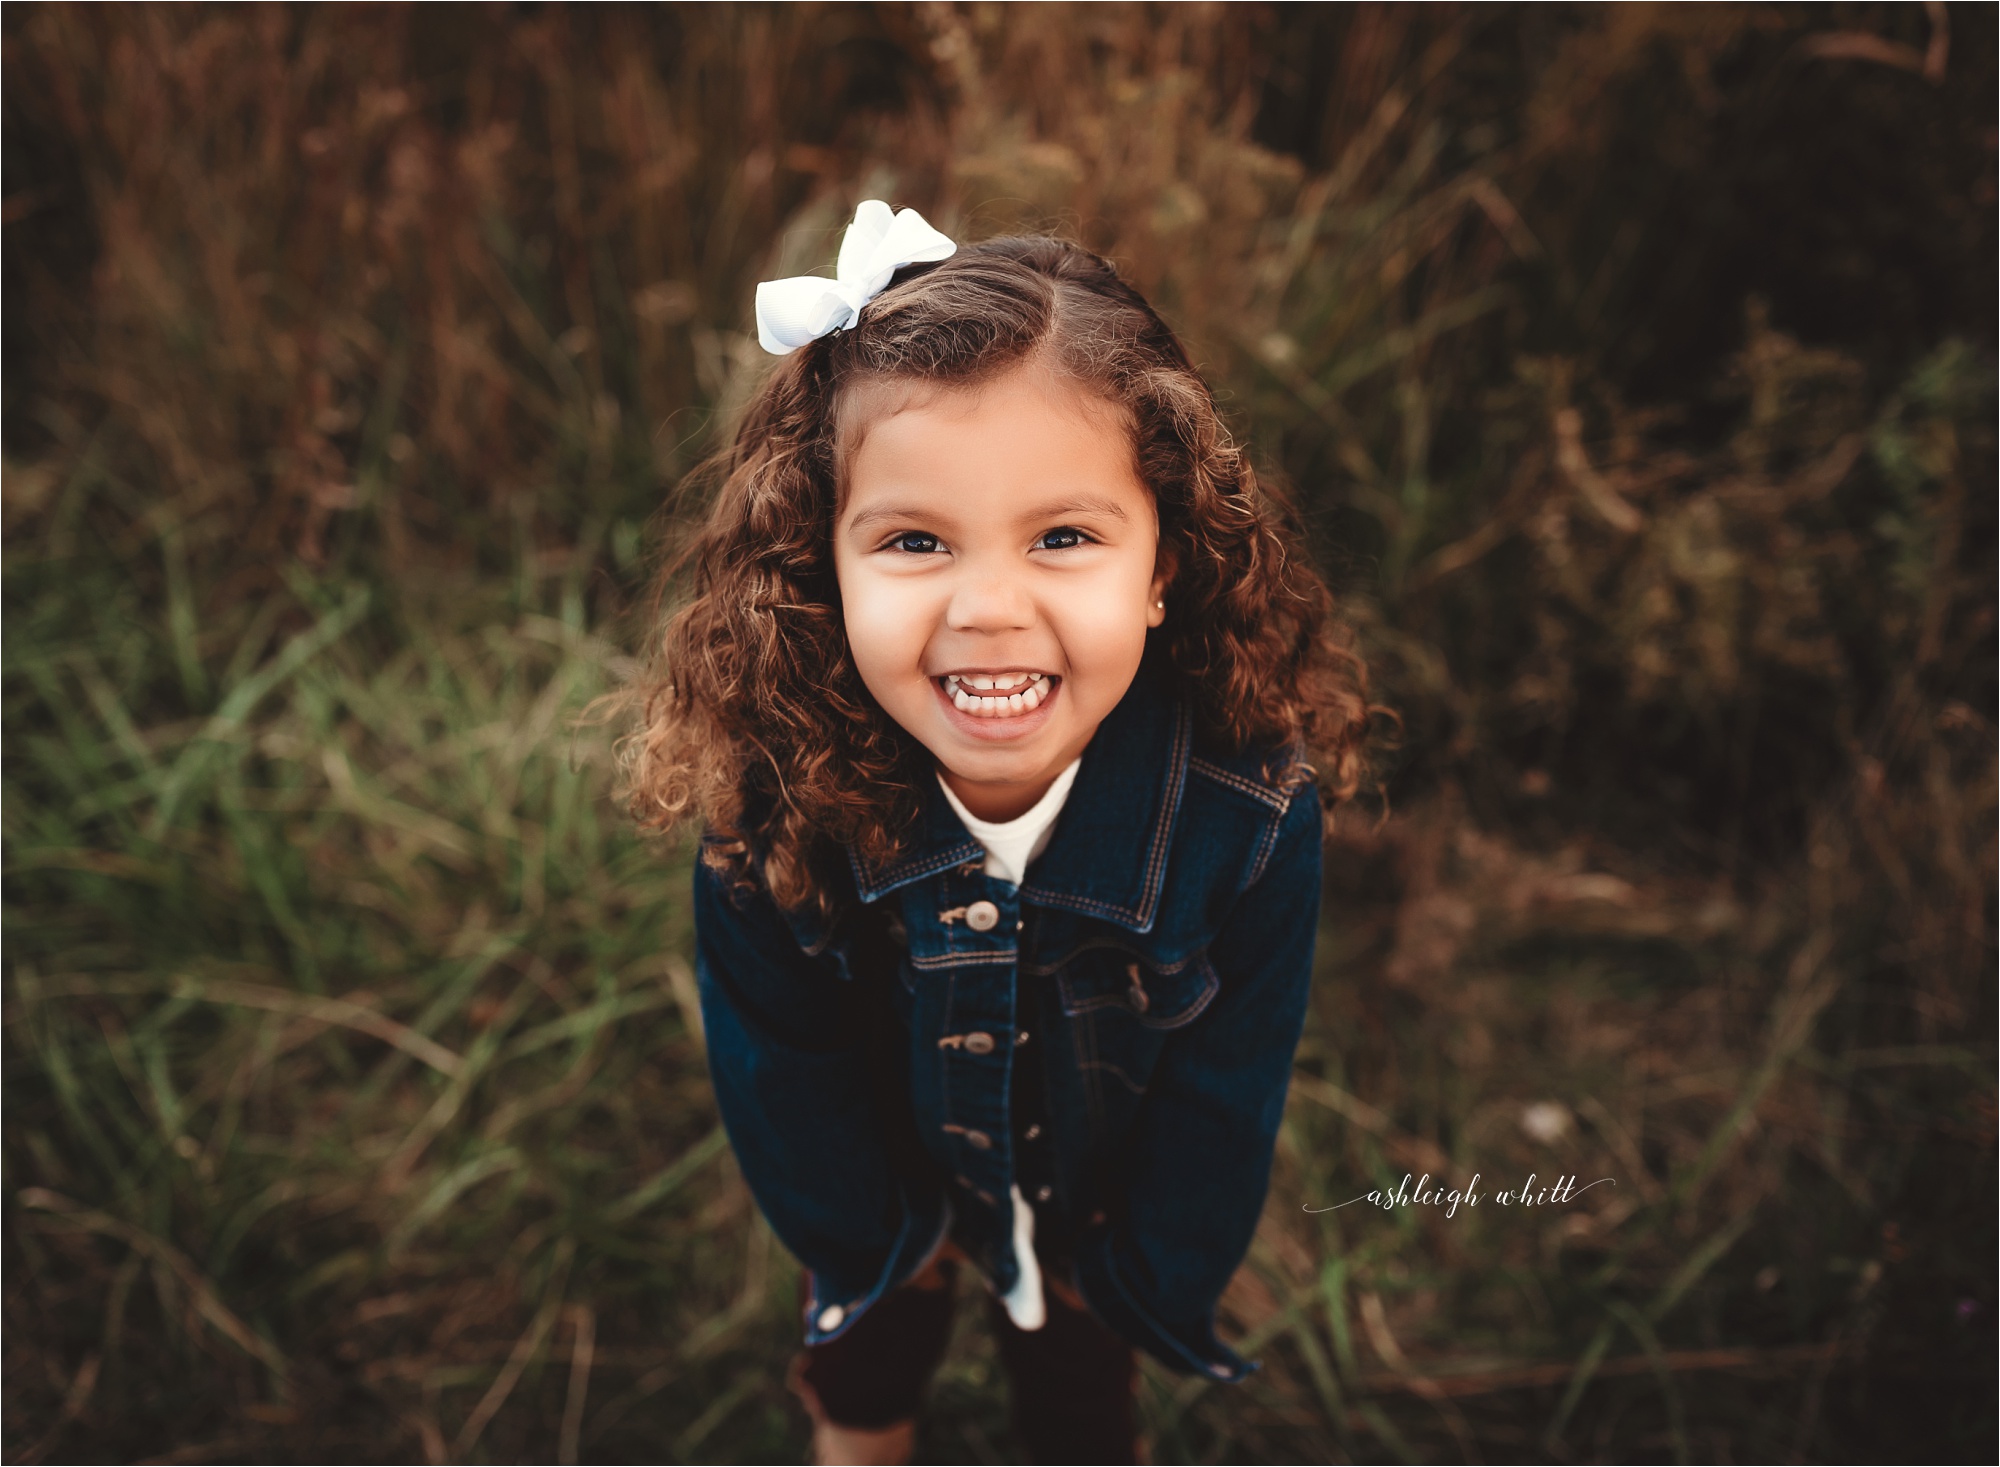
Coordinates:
[344,1013]
[355,1099]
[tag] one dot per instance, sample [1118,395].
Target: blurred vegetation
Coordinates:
[1633,368]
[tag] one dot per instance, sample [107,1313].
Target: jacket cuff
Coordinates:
[833,1303]
[1116,1297]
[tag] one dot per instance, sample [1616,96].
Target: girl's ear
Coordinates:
[1156,594]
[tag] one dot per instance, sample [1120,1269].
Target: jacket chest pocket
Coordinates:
[1158,997]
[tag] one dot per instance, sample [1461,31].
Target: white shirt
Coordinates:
[1011,847]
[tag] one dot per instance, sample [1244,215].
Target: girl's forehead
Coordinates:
[864,404]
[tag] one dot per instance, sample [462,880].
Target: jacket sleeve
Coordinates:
[1211,1113]
[797,1078]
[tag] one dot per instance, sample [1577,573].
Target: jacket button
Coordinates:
[831,1316]
[982,916]
[978,1140]
[1032,1133]
[979,1042]
[1043,1194]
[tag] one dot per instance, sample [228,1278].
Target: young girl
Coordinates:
[995,694]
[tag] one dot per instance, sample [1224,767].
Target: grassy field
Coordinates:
[1634,371]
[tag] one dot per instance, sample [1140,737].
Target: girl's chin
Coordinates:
[1007,729]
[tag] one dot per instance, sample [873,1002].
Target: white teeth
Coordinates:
[1006,695]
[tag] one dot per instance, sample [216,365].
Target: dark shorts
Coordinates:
[1073,1380]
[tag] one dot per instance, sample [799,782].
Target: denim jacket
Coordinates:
[862,1064]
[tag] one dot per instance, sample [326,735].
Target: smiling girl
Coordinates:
[995,695]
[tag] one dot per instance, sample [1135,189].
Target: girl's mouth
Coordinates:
[997,695]
[997,705]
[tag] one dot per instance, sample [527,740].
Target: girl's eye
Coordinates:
[916,542]
[1062,538]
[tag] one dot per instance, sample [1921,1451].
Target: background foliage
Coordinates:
[1634,369]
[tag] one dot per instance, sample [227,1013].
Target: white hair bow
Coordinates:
[792,312]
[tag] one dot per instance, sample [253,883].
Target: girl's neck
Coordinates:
[998,801]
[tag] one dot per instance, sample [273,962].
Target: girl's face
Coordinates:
[995,552]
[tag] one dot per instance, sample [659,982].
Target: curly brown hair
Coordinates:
[754,716]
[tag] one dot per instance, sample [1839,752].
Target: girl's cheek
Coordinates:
[1103,621]
[885,623]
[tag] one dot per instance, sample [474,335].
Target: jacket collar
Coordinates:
[1108,855]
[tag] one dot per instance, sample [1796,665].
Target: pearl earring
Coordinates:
[1161,604]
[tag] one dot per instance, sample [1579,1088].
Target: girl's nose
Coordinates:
[989,603]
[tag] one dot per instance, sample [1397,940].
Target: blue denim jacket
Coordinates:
[1169,929]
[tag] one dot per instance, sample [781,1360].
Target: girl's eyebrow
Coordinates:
[883,512]
[1078,504]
